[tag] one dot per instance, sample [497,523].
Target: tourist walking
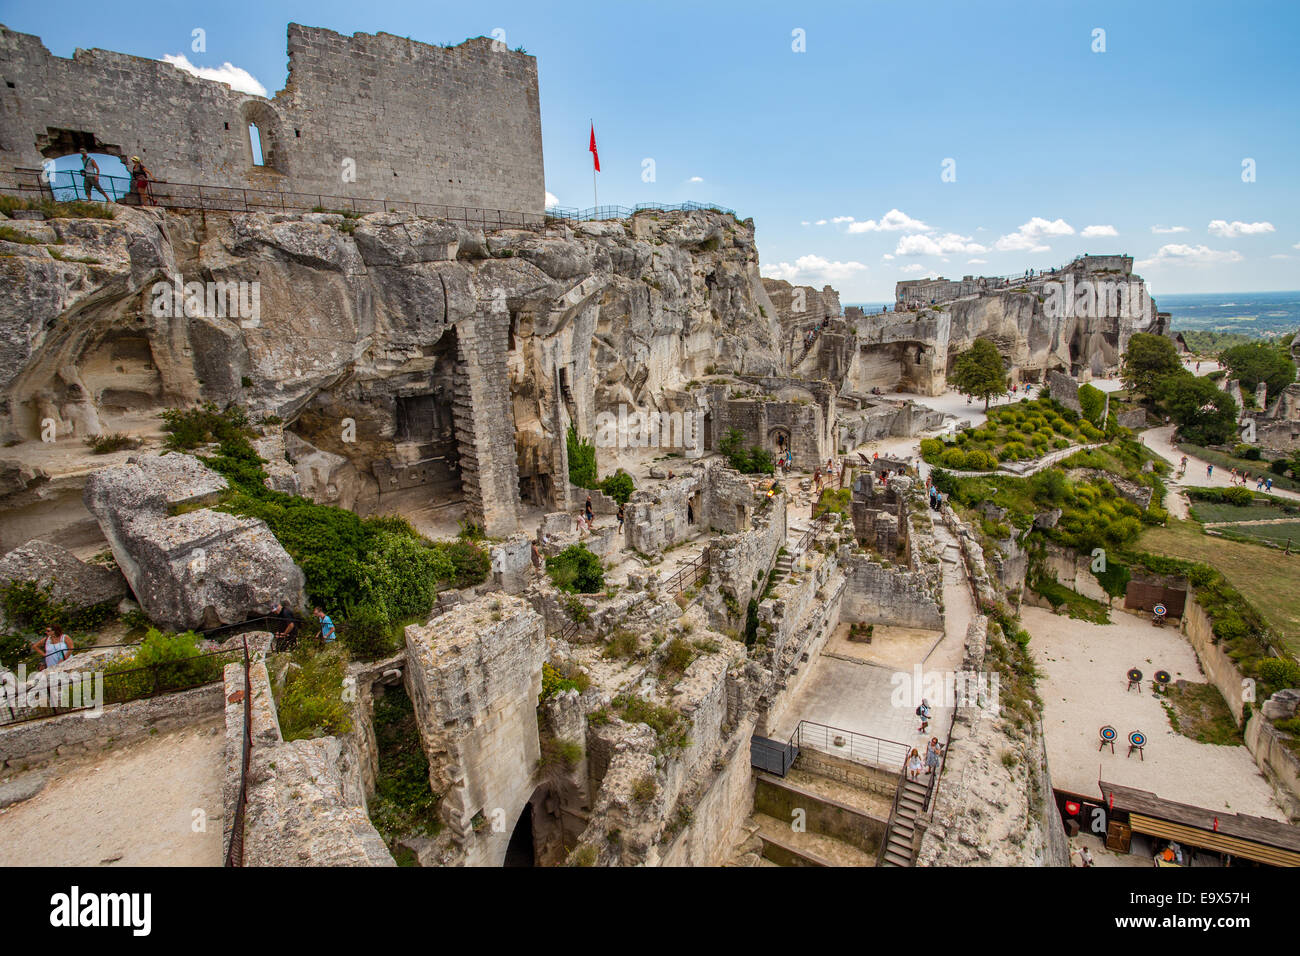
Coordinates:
[932,754]
[588,512]
[1209,470]
[914,764]
[54,648]
[327,632]
[287,623]
[924,713]
[620,518]
[90,176]
[537,555]
[690,512]
[140,182]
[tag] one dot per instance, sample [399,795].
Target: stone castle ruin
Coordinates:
[364,117]
[439,368]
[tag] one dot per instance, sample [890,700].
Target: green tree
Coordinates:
[1259,362]
[1205,415]
[582,460]
[1149,360]
[1093,402]
[979,372]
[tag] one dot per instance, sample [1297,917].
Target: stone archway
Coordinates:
[267,120]
[778,439]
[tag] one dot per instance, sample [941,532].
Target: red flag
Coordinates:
[595,156]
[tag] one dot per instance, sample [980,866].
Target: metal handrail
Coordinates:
[235,852]
[886,751]
[175,195]
[893,813]
[574,214]
[697,567]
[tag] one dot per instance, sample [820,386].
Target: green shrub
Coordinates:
[1093,402]
[576,569]
[368,632]
[107,444]
[953,458]
[582,460]
[189,428]
[618,486]
[931,449]
[1280,672]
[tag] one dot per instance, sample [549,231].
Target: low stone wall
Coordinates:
[888,595]
[737,561]
[1280,765]
[780,798]
[38,741]
[1075,572]
[871,779]
[1218,666]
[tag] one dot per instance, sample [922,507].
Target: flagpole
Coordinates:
[595,199]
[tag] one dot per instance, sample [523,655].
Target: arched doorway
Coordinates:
[520,852]
[778,440]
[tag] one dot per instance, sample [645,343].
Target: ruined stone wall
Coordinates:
[738,563]
[809,425]
[458,126]
[888,595]
[1065,390]
[658,519]
[474,675]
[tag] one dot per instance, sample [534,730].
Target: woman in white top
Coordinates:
[54,648]
[914,764]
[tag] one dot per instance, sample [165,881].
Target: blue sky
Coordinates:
[1047,137]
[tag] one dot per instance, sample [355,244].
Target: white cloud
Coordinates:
[1028,238]
[1281,255]
[696,179]
[1231,230]
[842,219]
[1166,230]
[918,245]
[976,262]
[1181,254]
[887,256]
[1296,246]
[551,200]
[805,223]
[892,221]
[1090,232]
[912,267]
[812,269]
[239,79]
[821,222]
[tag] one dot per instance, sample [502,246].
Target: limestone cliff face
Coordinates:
[387,338]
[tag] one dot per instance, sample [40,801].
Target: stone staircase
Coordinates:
[902,825]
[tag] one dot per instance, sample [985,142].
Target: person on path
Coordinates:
[140,180]
[914,764]
[621,517]
[327,632]
[90,176]
[932,754]
[924,713]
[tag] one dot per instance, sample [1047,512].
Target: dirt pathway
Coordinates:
[130,807]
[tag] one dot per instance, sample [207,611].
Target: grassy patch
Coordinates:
[1266,578]
[1199,711]
[1076,605]
[309,700]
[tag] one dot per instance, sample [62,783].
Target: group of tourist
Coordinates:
[287,622]
[141,180]
[1240,478]
[933,755]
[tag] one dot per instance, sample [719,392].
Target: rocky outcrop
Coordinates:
[420,351]
[197,568]
[71,582]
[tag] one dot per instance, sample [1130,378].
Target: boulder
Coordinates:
[70,581]
[199,568]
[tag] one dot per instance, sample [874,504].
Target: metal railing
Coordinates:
[689,574]
[67,185]
[573,214]
[893,814]
[235,852]
[849,744]
[114,687]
